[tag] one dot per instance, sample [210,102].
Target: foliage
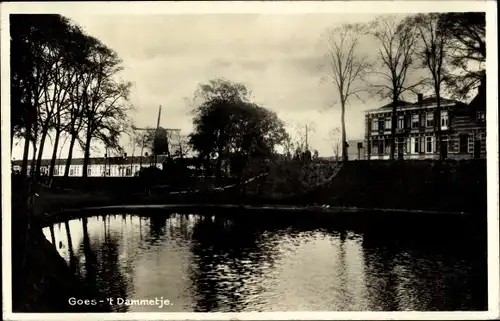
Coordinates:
[466,32]
[229,128]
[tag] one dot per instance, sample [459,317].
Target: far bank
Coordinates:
[407,186]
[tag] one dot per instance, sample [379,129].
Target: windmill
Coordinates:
[161,137]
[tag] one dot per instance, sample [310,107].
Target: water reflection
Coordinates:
[211,263]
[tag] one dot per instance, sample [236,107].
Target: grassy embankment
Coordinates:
[407,185]
[41,280]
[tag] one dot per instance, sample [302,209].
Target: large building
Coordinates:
[463,129]
[99,166]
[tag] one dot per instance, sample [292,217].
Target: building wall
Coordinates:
[417,137]
[94,170]
[352,151]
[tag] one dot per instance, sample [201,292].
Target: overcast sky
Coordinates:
[276,56]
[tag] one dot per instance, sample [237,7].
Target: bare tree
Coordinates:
[433,49]
[144,139]
[180,144]
[396,50]
[304,130]
[334,137]
[105,115]
[346,67]
[80,94]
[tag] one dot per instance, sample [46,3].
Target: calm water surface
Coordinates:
[212,263]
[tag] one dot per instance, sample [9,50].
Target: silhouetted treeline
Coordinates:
[63,85]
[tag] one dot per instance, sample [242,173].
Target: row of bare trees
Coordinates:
[64,83]
[436,52]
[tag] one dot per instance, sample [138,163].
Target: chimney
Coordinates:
[420,98]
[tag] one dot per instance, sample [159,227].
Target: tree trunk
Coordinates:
[24,165]
[33,159]
[439,140]
[40,150]
[218,169]
[393,127]
[70,155]
[11,140]
[86,155]
[344,142]
[140,160]
[54,154]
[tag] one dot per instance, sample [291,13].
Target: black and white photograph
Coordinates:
[296,160]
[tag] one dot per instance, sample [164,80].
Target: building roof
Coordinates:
[424,103]
[399,103]
[479,101]
[101,160]
[432,100]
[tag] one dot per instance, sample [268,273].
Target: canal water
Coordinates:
[212,263]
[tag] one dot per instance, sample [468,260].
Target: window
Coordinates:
[415,121]
[375,147]
[89,171]
[480,116]
[451,144]
[415,143]
[387,125]
[56,170]
[463,143]
[387,144]
[444,119]
[129,171]
[107,172]
[429,122]
[428,144]
[422,144]
[71,172]
[408,145]
[470,143]
[401,122]
[375,124]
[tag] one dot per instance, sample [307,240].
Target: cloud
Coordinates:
[276,56]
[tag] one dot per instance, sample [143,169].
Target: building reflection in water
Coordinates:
[257,263]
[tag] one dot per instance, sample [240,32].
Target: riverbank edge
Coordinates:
[167,209]
[47,283]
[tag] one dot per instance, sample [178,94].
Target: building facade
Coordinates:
[463,129]
[356,150]
[99,166]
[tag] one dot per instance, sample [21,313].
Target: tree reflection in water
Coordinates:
[258,262]
[73,262]
[417,267]
[227,263]
[103,271]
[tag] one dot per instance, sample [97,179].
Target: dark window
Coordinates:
[415,121]
[401,122]
[428,144]
[430,119]
[463,140]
